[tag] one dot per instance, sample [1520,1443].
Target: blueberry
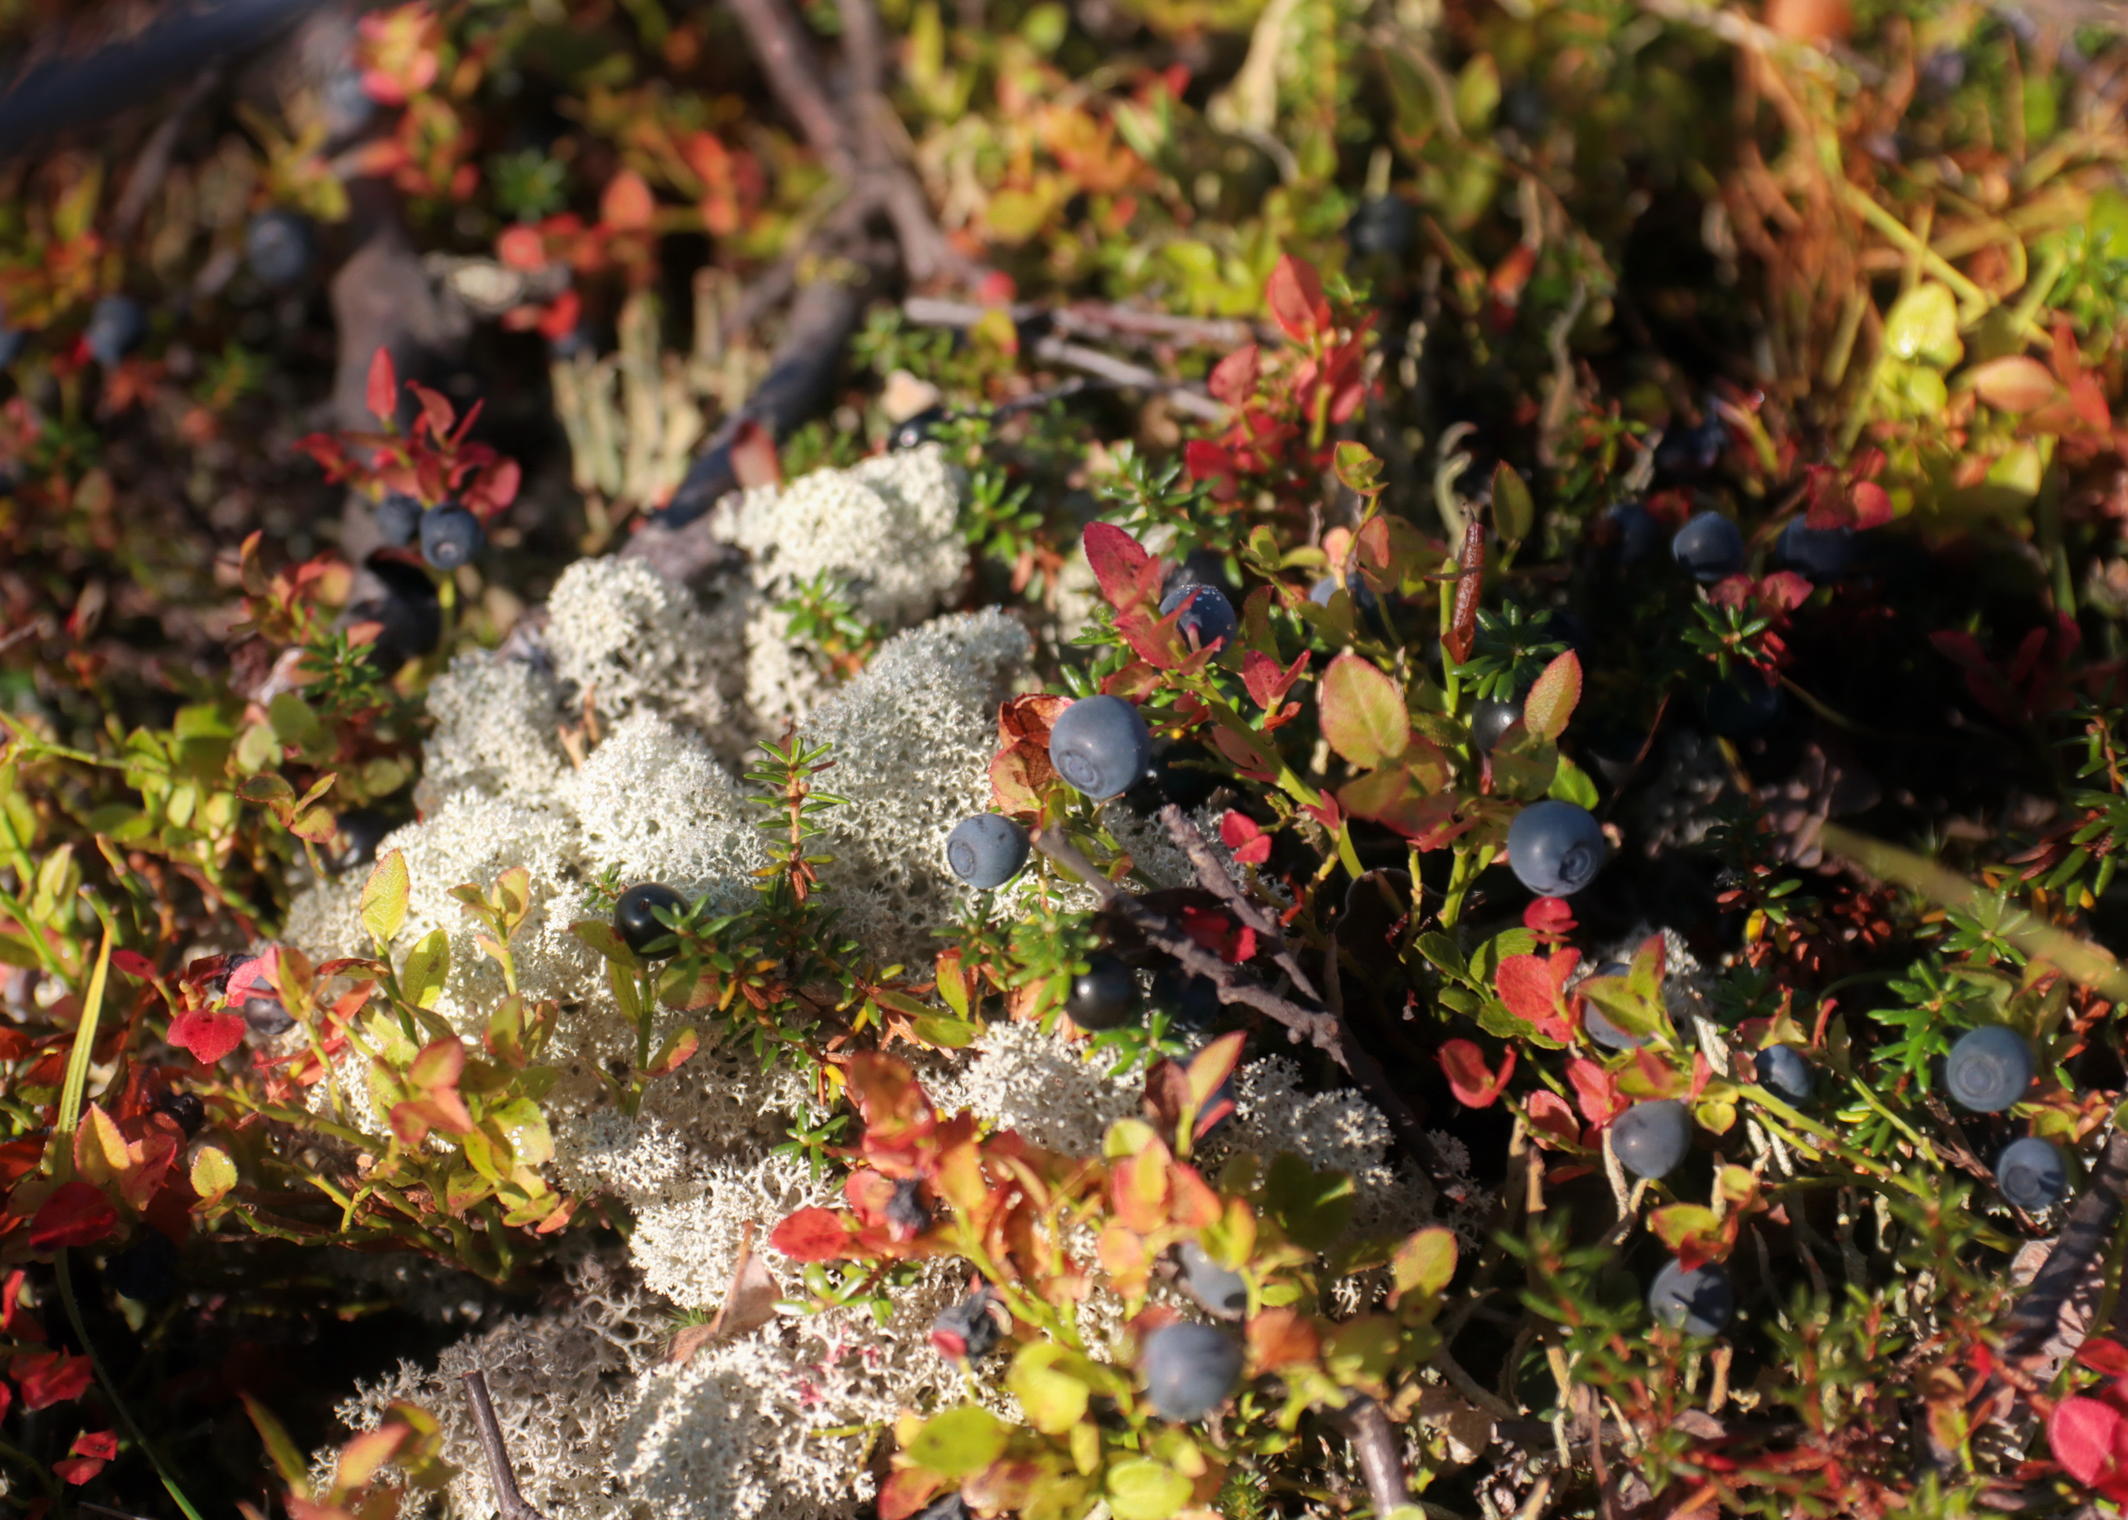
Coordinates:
[1709,546]
[187,1109]
[1689,452]
[952,1507]
[278,246]
[635,917]
[1555,848]
[1172,777]
[1783,1072]
[1191,1000]
[1606,1033]
[908,1216]
[1631,531]
[986,850]
[1988,1069]
[1222,1292]
[450,536]
[1364,601]
[264,1013]
[361,831]
[972,1328]
[1698,1302]
[146,1270]
[1100,745]
[1823,554]
[2032,1174]
[398,518]
[1104,995]
[408,616]
[1651,1138]
[1208,621]
[1384,226]
[1190,1370]
[116,326]
[1490,720]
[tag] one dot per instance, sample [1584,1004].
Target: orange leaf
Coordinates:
[383,397]
[627,205]
[1295,299]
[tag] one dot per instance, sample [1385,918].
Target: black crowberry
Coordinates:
[1100,745]
[1104,995]
[1698,1302]
[971,1329]
[1490,720]
[635,917]
[1651,1138]
[1823,554]
[1630,531]
[2032,1174]
[1709,546]
[450,536]
[1190,1370]
[986,850]
[187,1109]
[1988,1069]
[1555,848]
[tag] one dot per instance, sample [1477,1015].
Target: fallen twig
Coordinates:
[508,1500]
[1216,881]
[1374,1447]
[1097,319]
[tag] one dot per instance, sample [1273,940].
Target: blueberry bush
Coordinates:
[1182,759]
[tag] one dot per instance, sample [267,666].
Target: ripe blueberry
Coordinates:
[1104,995]
[187,1109]
[408,616]
[1823,554]
[1631,532]
[971,1329]
[1100,745]
[264,1013]
[1191,1000]
[986,850]
[1709,546]
[2032,1174]
[450,536]
[1783,1072]
[1555,848]
[908,1216]
[1490,720]
[1698,1302]
[1651,1138]
[1988,1069]
[116,326]
[278,246]
[635,918]
[1383,227]
[1692,451]
[1222,1291]
[1207,621]
[398,518]
[1190,1370]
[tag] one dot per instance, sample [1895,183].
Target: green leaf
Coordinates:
[384,896]
[1313,1206]
[959,1442]
[1552,697]
[428,964]
[286,1456]
[1357,468]
[1570,783]
[1363,712]
[1922,327]
[1141,1489]
[1054,1400]
[213,1173]
[1425,1262]
[1514,514]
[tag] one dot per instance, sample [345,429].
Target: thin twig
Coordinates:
[795,75]
[1121,372]
[1096,319]
[1222,886]
[508,1499]
[1374,1447]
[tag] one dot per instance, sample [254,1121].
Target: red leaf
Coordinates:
[1549,918]
[813,1235]
[1250,844]
[2107,1357]
[1871,506]
[76,1214]
[383,398]
[522,247]
[1266,683]
[1468,1078]
[1233,379]
[1594,1090]
[1295,299]
[1206,460]
[627,205]
[133,963]
[753,456]
[208,1036]
[50,1377]
[2086,1435]
[1550,1116]
[1119,563]
[86,1458]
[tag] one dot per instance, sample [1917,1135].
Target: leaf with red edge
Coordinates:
[1595,1090]
[207,1036]
[1206,460]
[1119,564]
[1363,713]
[50,1377]
[2087,1436]
[814,1235]
[1474,1085]
[382,397]
[1267,685]
[75,1214]
[1402,798]
[1552,697]
[907,1493]
[1552,1118]
[1551,919]
[133,963]
[1250,845]
[1295,299]
[2105,1356]
[627,205]
[2015,383]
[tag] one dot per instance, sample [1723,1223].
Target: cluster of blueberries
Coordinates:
[449,534]
[278,247]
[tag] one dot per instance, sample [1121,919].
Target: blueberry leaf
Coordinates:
[1363,712]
